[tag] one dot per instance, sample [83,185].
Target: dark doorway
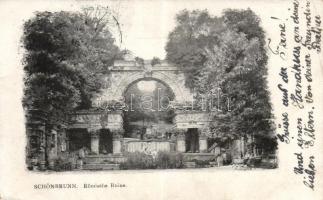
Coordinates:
[78,138]
[192,140]
[105,142]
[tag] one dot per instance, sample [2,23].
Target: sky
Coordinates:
[145,25]
[147,86]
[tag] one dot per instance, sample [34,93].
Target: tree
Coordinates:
[155,61]
[140,61]
[160,97]
[67,54]
[226,53]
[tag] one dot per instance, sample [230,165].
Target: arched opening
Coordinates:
[148,115]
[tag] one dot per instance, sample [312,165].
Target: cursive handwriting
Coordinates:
[285,136]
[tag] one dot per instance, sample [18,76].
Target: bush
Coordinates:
[201,163]
[138,160]
[62,164]
[268,163]
[168,160]
[164,160]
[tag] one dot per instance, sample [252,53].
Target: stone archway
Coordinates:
[124,73]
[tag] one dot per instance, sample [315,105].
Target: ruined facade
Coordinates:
[100,130]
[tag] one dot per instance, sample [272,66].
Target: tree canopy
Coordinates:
[67,54]
[225,53]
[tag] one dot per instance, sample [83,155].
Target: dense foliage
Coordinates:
[226,53]
[138,160]
[149,105]
[66,56]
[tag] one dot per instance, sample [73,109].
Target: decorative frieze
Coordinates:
[112,121]
[185,120]
[124,73]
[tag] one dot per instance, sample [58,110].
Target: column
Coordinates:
[180,142]
[243,147]
[51,145]
[42,149]
[202,142]
[116,142]
[61,139]
[94,140]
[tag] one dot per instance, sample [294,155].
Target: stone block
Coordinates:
[203,145]
[180,145]
[95,144]
[116,146]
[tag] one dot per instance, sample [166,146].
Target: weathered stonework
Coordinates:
[192,119]
[97,120]
[94,140]
[122,75]
[125,73]
[99,131]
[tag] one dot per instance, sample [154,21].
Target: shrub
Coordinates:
[138,160]
[169,160]
[62,164]
[91,153]
[201,163]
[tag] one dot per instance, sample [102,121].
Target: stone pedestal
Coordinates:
[242,146]
[61,139]
[202,141]
[116,146]
[95,144]
[116,141]
[203,145]
[180,141]
[94,141]
[180,145]
[51,145]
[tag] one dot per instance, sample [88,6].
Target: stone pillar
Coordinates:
[116,146]
[203,145]
[51,146]
[61,139]
[54,144]
[36,126]
[42,149]
[180,142]
[116,142]
[242,146]
[202,142]
[94,140]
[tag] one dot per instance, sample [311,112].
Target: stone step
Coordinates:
[100,166]
[199,156]
[189,164]
[104,158]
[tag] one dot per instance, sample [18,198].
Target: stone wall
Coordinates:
[125,73]
[149,146]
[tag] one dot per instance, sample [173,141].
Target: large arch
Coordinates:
[147,79]
[125,73]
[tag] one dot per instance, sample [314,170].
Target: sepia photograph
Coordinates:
[93,104]
[161,99]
